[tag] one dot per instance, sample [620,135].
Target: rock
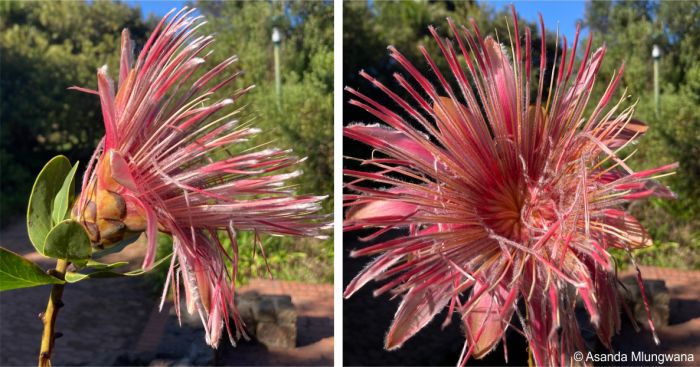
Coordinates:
[264,310]
[276,336]
[658,298]
[246,304]
[273,315]
[286,314]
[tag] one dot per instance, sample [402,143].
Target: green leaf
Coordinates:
[64,198]
[18,272]
[47,185]
[102,266]
[155,265]
[117,247]
[96,265]
[72,277]
[68,240]
[79,264]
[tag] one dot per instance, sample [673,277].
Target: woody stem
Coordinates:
[49,316]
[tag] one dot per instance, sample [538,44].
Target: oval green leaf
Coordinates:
[73,277]
[64,197]
[68,240]
[39,212]
[17,272]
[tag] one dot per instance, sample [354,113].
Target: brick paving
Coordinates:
[673,277]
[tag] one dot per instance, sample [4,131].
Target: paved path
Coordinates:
[164,342]
[116,321]
[100,320]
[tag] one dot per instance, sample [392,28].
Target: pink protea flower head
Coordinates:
[165,164]
[509,199]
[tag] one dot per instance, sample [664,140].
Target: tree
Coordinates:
[629,29]
[301,118]
[45,48]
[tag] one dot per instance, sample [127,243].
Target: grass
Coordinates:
[286,258]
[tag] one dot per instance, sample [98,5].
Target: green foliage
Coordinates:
[46,47]
[52,236]
[102,266]
[52,194]
[629,30]
[369,29]
[68,240]
[301,118]
[663,254]
[44,196]
[18,272]
[289,259]
[105,271]
[64,197]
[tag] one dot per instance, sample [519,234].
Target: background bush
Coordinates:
[46,47]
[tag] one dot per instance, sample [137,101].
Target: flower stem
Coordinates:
[49,316]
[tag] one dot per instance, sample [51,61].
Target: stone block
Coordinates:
[285,313]
[246,304]
[264,310]
[270,319]
[276,336]
[658,298]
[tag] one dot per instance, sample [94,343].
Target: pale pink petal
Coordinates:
[417,309]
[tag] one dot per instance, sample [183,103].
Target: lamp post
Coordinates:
[656,55]
[276,40]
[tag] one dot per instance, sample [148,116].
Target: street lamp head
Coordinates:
[276,35]
[656,52]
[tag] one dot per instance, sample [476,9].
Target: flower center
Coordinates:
[519,214]
[501,213]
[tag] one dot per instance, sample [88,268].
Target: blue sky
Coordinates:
[567,13]
[158,8]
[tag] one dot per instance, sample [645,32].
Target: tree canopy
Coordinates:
[45,48]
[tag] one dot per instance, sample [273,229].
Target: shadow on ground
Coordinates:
[366,320]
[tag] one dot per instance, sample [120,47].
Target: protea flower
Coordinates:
[508,199]
[165,164]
